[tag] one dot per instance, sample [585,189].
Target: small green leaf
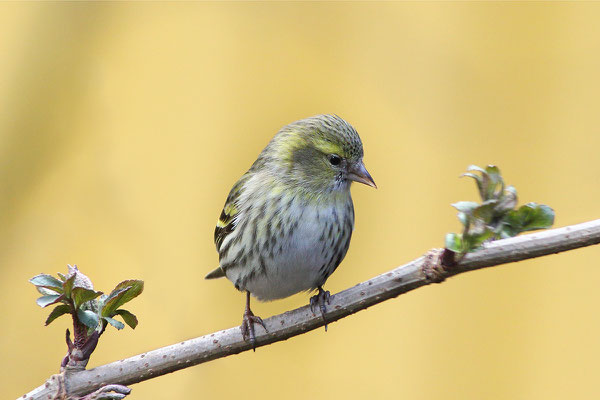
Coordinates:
[507,231]
[45,301]
[476,168]
[482,181]
[465,206]
[494,173]
[137,287]
[117,324]
[88,318]
[68,286]
[474,241]
[82,295]
[490,184]
[48,282]
[61,276]
[513,219]
[471,175]
[129,318]
[529,217]
[478,181]
[495,188]
[463,218]
[454,242]
[485,211]
[536,216]
[508,200]
[108,302]
[57,312]
[122,293]
[45,291]
[476,227]
[102,300]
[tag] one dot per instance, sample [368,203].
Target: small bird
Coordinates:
[287,222]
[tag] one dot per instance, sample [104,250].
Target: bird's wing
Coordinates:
[226,222]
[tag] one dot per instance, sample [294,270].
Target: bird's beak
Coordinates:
[358,173]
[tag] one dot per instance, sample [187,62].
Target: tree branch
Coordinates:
[420,272]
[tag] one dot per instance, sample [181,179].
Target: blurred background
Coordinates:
[124,125]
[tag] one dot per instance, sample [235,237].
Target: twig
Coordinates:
[417,273]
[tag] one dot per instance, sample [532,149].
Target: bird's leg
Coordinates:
[320,299]
[248,322]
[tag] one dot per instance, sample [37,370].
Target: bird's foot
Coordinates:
[247,327]
[320,299]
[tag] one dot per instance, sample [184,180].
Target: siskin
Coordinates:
[286,224]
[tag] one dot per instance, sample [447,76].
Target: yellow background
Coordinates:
[123,127]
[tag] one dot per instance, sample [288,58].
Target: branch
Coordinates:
[420,272]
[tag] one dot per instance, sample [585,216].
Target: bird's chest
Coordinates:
[306,242]
[309,243]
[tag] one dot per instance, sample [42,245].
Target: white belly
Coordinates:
[302,258]
[296,268]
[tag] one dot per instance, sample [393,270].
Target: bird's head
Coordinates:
[320,154]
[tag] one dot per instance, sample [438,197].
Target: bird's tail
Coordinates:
[217,273]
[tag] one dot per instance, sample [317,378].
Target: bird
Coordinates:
[287,222]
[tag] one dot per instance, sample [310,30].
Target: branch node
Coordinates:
[434,268]
[56,385]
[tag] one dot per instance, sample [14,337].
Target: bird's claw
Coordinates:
[247,327]
[320,299]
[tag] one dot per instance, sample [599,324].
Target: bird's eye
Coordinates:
[334,159]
